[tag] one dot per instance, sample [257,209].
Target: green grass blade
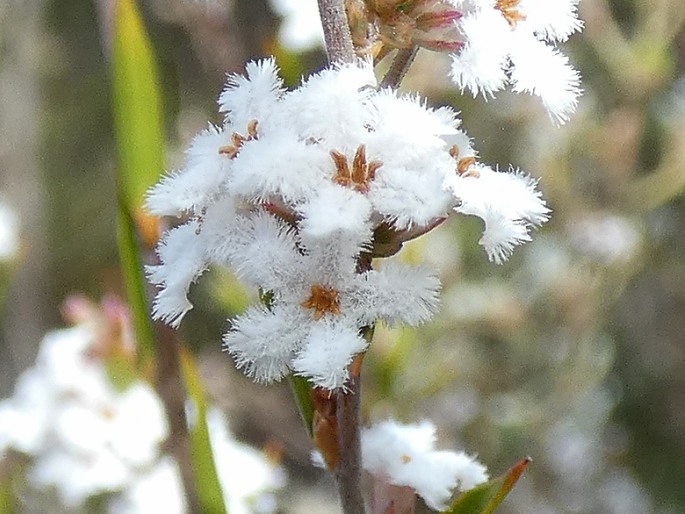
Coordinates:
[134,279]
[207,482]
[140,154]
[137,106]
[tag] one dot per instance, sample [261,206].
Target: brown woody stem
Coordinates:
[336,31]
[399,67]
[348,471]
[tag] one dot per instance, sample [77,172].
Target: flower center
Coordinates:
[361,173]
[323,299]
[237,141]
[465,165]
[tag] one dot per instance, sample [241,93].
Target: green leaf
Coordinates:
[9,503]
[302,391]
[207,482]
[132,269]
[140,155]
[486,497]
[137,106]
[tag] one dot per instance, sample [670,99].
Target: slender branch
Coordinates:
[400,66]
[170,388]
[348,472]
[336,31]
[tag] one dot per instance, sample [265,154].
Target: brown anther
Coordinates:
[464,166]
[252,129]
[454,151]
[510,11]
[473,172]
[237,141]
[405,459]
[361,174]
[323,300]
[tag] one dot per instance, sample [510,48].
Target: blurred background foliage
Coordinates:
[573,352]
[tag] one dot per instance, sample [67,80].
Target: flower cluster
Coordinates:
[298,191]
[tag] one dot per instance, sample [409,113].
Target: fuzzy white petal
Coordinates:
[400,293]
[553,20]
[262,250]
[328,352]
[262,343]
[336,211]
[279,165]
[407,118]
[251,96]
[508,203]
[480,65]
[411,197]
[545,72]
[182,259]
[331,106]
[198,183]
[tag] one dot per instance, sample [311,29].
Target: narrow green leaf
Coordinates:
[137,106]
[485,498]
[207,482]
[140,155]
[8,500]
[131,266]
[302,391]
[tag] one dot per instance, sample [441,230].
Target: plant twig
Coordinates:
[399,67]
[348,472]
[170,388]
[336,31]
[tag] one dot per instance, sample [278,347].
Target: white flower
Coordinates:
[512,42]
[403,455]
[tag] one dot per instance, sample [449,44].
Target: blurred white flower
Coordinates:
[248,479]
[301,27]
[608,238]
[404,455]
[84,437]
[9,232]
[158,490]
